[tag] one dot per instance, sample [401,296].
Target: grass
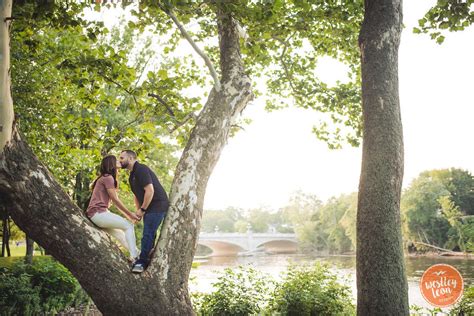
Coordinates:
[17,253]
[20,250]
[6,262]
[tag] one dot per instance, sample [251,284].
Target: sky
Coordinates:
[277,155]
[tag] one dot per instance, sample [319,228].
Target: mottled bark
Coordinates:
[41,208]
[178,241]
[381,281]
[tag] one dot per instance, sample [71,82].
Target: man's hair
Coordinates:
[130,153]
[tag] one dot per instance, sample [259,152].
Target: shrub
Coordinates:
[45,286]
[466,305]
[17,296]
[416,310]
[242,291]
[311,290]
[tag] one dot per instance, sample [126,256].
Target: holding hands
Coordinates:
[140,213]
[134,218]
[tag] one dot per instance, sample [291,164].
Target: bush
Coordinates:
[45,286]
[240,292]
[312,290]
[466,305]
[17,296]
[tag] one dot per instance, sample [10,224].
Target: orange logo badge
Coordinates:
[441,285]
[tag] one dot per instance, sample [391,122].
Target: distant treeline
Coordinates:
[437,209]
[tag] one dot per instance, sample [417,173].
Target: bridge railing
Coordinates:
[261,235]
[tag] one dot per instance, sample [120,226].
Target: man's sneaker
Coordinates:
[138,268]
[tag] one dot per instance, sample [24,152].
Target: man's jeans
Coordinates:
[151,222]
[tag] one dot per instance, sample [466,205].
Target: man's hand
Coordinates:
[133,217]
[140,213]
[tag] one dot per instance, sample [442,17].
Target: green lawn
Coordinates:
[17,253]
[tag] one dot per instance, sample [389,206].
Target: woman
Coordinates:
[104,190]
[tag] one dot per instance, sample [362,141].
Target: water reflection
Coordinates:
[343,266]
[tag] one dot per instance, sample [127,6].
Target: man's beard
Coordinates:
[124,164]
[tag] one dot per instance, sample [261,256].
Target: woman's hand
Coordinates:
[133,217]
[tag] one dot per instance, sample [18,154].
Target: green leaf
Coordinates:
[163,74]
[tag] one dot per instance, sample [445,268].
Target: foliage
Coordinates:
[422,218]
[437,208]
[291,36]
[318,227]
[77,83]
[43,287]
[466,305]
[300,208]
[232,219]
[463,230]
[311,290]
[446,15]
[323,227]
[416,310]
[17,296]
[240,291]
[224,220]
[330,219]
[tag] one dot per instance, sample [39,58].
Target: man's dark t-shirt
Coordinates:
[140,177]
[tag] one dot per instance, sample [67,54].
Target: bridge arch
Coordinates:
[279,246]
[222,248]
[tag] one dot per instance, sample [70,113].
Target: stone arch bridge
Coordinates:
[231,244]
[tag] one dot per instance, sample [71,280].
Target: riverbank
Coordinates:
[344,267]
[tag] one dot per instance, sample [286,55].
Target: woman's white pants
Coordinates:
[118,227]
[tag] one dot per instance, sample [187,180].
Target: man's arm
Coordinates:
[122,208]
[149,192]
[137,204]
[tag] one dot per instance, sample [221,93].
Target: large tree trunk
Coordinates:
[43,210]
[381,281]
[178,241]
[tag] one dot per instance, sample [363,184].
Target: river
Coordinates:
[343,266]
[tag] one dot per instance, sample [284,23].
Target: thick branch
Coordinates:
[43,210]
[230,59]
[177,243]
[212,70]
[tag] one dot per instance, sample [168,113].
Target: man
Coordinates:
[151,202]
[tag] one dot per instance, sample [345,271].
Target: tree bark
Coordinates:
[43,210]
[30,247]
[5,236]
[381,280]
[6,108]
[178,241]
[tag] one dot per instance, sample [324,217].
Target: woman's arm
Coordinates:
[116,201]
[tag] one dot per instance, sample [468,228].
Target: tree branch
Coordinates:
[177,124]
[160,99]
[212,70]
[120,86]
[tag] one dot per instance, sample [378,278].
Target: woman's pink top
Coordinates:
[100,198]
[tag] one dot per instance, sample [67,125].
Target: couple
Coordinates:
[151,203]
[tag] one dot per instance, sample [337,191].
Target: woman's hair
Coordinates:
[107,166]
